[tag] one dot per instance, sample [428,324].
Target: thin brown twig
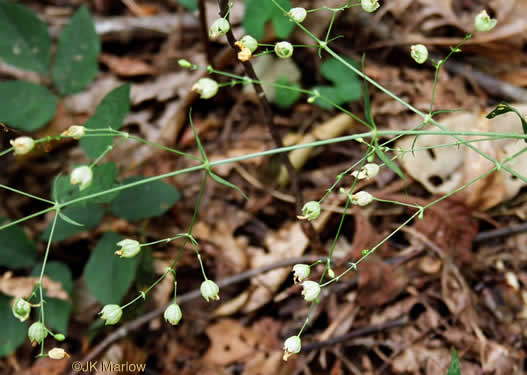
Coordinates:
[204,32]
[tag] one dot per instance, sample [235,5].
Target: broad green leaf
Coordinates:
[503,108]
[107,275]
[25,105]
[389,163]
[76,60]
[191,5]
[13,331]
[144,201]
[89,216]
[56,271]
[454,368]
[346,84]
[109,114]
[103,179]
[285,98]
[16,249]
[25,42]
[258,13]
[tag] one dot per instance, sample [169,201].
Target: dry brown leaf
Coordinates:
[48,366]
[126,66]
[24,286]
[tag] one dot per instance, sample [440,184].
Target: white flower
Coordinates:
[210,290]
[82,175]
[283,50]
[298,14]
[370,170]
[369,6]
[74,131]
[173,314]
[249,42]
[419,53]
[219,27]
[111,314]
[311,290]
[22,145]
[206,88]
[483,22]
[129,248]
[310,211]
[301,272]
[292,346]
[37,332]
[21,309]
[362,198]
[57,353]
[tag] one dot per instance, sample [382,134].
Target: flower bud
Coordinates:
[22,145]
[74,131]
[219,27]
[129,248]
[310,211]
[419,53]
[184,63]
[83,176]
[209,290]
[283,50]
[331,273]
[483,22]
[111,314]
[249,42]
[173,314]
[206,88]
[292,346]
[57,353]
[37,332]
[311,290]
[370,170]
[369,6]
[298,14]
[21,309]
[362,198]
[60,337]
[301,272]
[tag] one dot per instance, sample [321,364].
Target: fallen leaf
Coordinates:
[126,66]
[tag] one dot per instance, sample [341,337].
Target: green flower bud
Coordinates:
[173,314]
[210,290]
[22,145]
[301,272]
[369,6]
[219,27]
[37,332]
[311,290]
[206,88]
[184,63]
[331,273]
[83,176]
[298,14]
[249,42]
[60,337]
[21,309]
[310,211]
[292,346]
[111,314]
[419,53]
[129,248]
[283,50]
[483,22]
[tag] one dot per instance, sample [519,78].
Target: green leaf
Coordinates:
[223,181]
[285,98]
[191,5]
[25,105]
[110,113]
[258,13]
[107,275]
[454,368]
[13,331]
[346,85]
[144,201]
[70,220]
[58,311]
[25,42]
[89,216]
[389,162]
[16,249]
[76,60]
[503,108]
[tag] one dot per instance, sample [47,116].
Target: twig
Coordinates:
[501,232]
[307,227]
[204,32]
[125,329]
